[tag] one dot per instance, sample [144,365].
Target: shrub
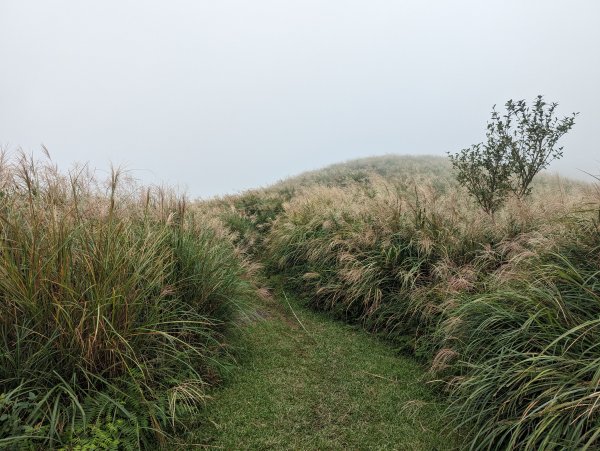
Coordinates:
[533,139]
[519,145]
[485,171]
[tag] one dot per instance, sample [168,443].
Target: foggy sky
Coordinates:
[218,96]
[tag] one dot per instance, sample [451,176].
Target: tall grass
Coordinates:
[113,300]
[529,376]
[504,309]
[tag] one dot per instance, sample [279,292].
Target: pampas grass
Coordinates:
[113,300]
[503,309]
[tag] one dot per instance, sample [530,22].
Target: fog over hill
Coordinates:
[223,96]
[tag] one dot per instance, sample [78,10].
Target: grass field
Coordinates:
[502,310]
[370,305]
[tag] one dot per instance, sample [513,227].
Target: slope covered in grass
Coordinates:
[115,303]
[390,167]
[503,310]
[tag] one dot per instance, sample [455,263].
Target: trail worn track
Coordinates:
[305,381]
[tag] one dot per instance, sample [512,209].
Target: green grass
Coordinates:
[503,309]
[113,309]
[307,382]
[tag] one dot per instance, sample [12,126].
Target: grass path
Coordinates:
[305,381]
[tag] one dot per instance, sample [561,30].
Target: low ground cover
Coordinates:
[305,382]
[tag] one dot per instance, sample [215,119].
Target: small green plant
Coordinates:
[105,434]
[14,406]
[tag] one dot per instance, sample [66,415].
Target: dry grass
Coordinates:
[113,299]
[489,302]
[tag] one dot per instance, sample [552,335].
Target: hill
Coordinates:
[392,167]
[503,310]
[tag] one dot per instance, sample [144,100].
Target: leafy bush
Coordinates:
[519,145]
[533,139]
[485,170]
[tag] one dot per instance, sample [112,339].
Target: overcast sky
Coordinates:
[222,95]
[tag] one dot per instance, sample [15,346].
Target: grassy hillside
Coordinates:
[390,167]
[116,304]
[504,311]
